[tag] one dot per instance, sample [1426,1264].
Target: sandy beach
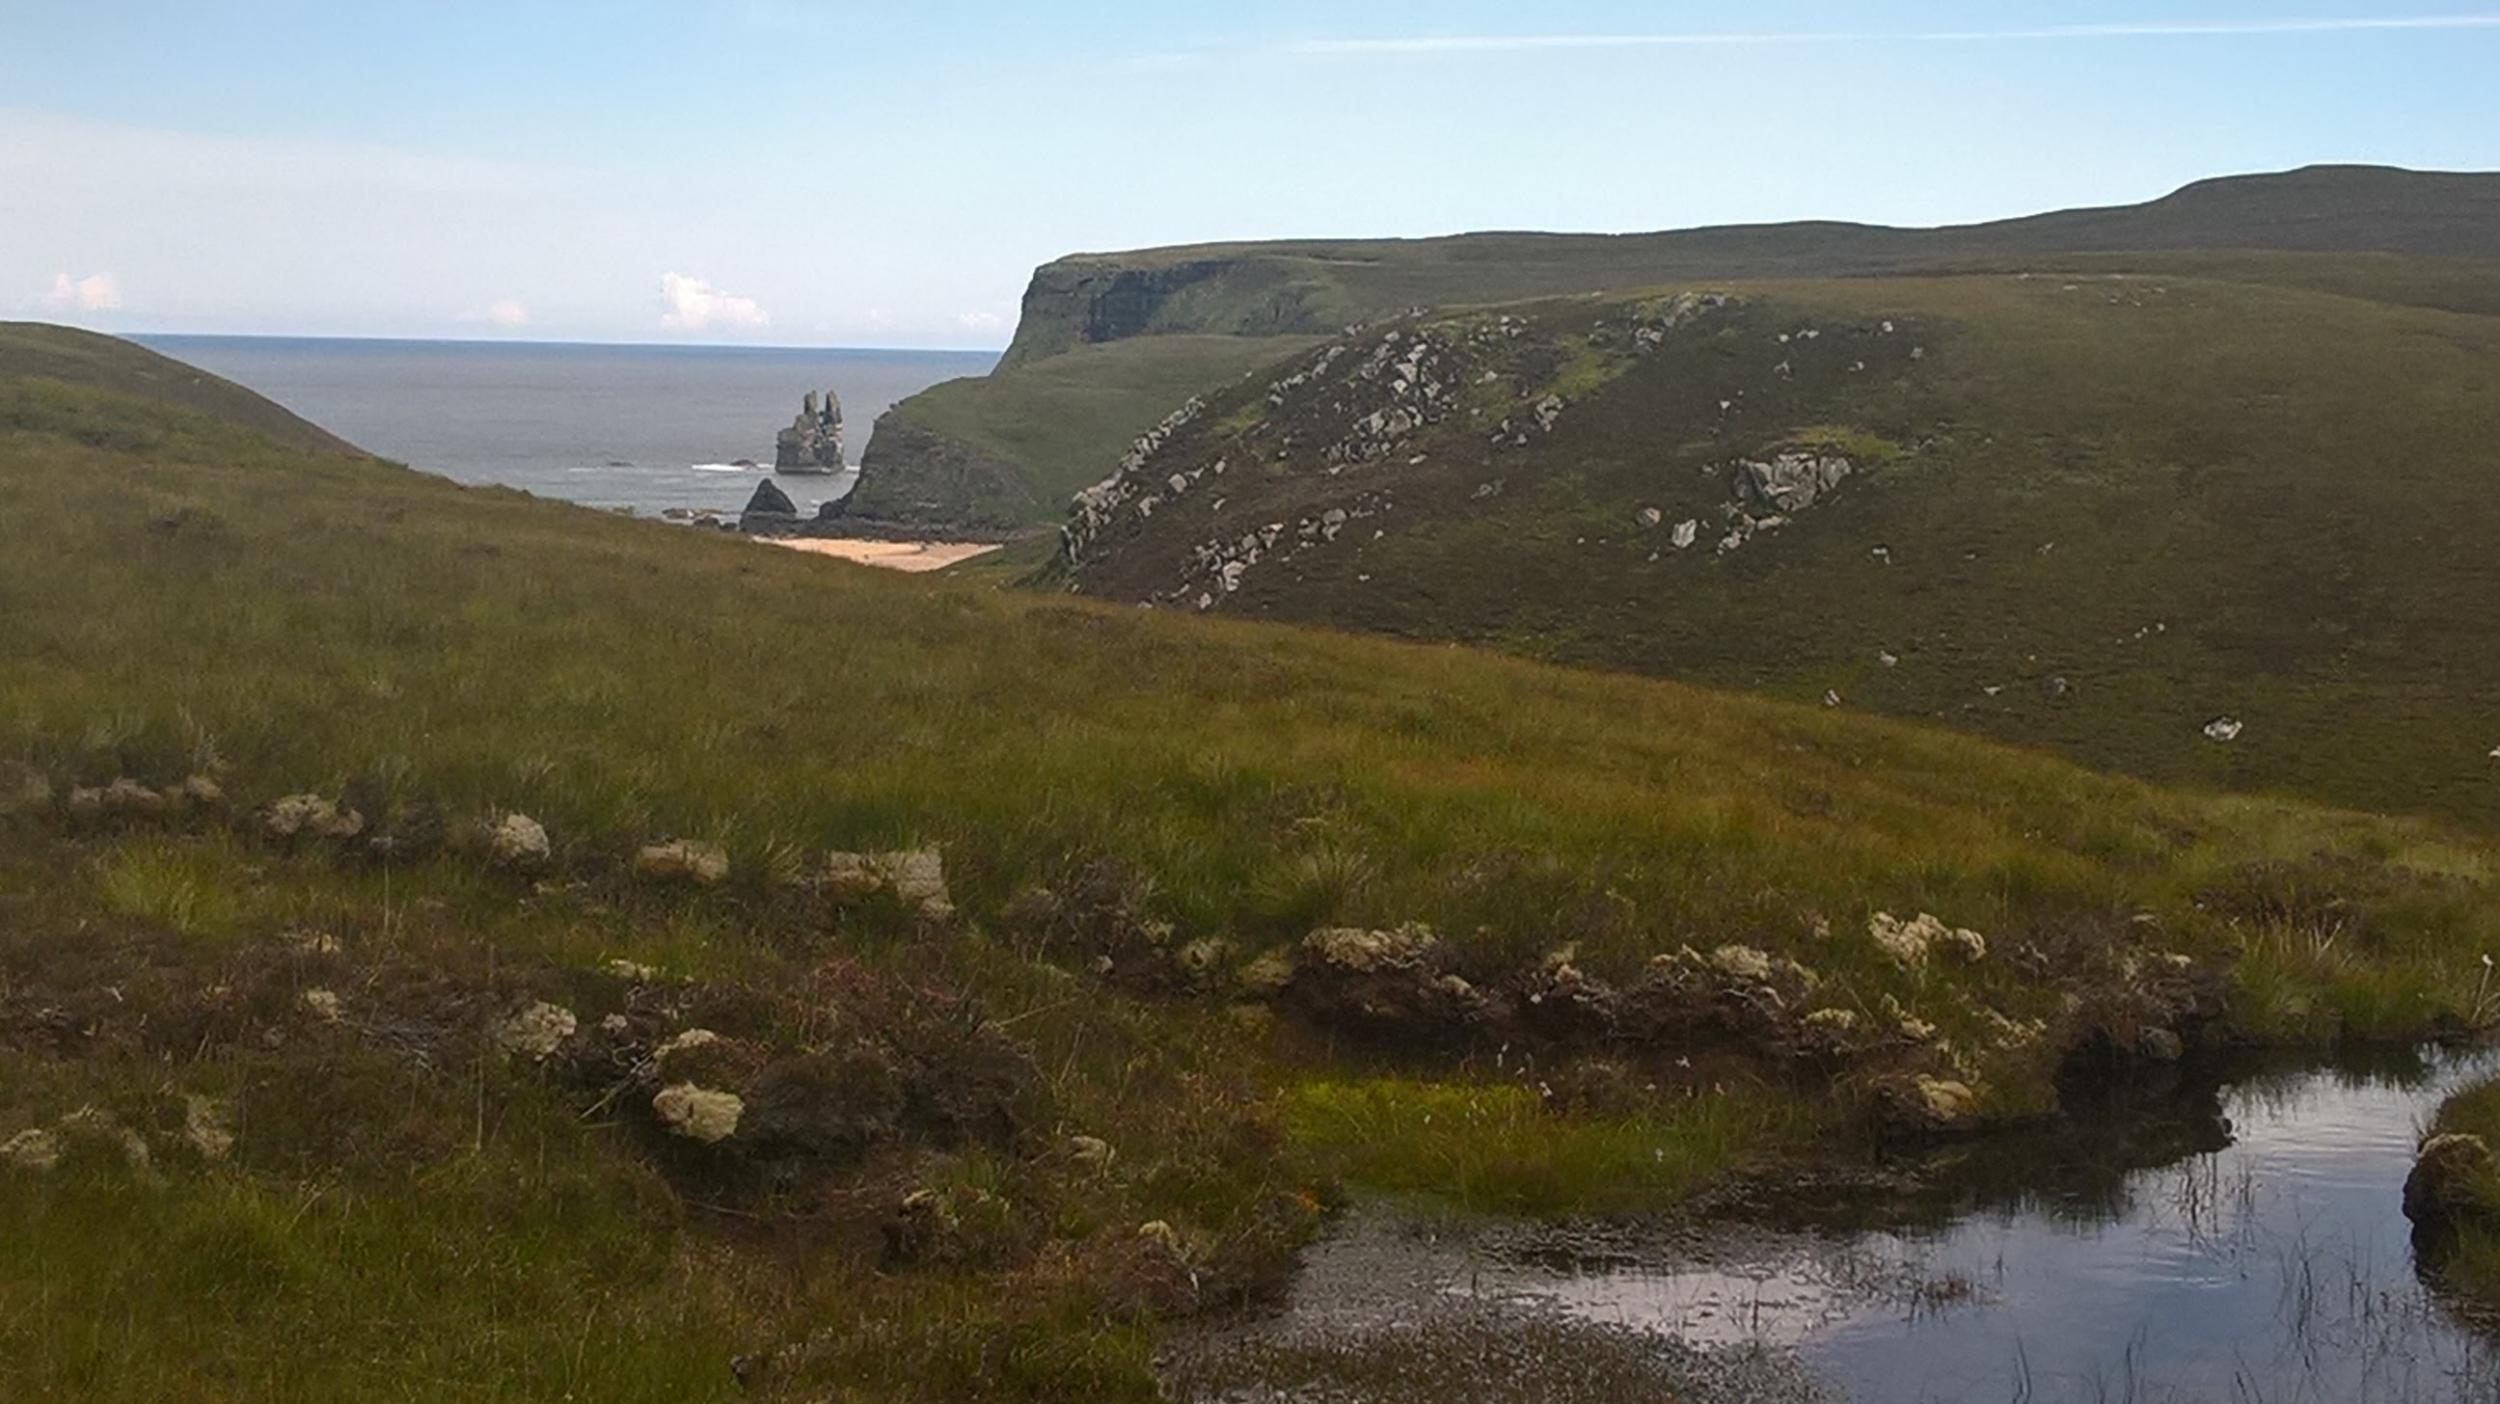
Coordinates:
[893,555]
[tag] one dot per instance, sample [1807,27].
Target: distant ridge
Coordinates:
[1314,286]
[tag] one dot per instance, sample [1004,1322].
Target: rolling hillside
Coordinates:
[2421,232]
[2094,512]
[455,938]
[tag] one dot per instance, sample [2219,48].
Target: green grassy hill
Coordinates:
[1005,445]
[323,1077]
[1003,452]
[2091,512]
[34,350]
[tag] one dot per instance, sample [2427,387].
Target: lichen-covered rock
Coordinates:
[310,816]
[518,842]
[207,1126]
[698,1113]
[1384,983]
[684,860]
[322,1005]
[2453,1177]
[1742,963]
[99,1127]
[535,1031]
[1354,950]
[1267,974]
[1092,1152]
[1908,944]
[916,877]
[1790,482]
[129,799]
[1921,1103]
[202,792]
[33,1149]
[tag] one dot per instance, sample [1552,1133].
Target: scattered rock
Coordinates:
[1791,481]
[2224,729]
[207,1126]
[35,1149]
[698,1114]
[535,1031]
[770,512]
[1925,1103]
[96,1125]
[1908,943]
[633,970]
[1651,516]
[310,816]
[1685,534]
[2160,1045]
[684,860]
[519,842]
[916,877]
[1092,1152]
[686,1042]
[1742,963]
[323,1005]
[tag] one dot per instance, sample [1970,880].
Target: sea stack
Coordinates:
[813,442]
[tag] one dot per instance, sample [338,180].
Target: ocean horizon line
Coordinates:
[145,338]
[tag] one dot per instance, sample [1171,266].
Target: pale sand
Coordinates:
[893,555]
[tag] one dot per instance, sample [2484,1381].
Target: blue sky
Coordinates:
[819,172]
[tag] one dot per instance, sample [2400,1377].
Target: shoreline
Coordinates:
[909,556]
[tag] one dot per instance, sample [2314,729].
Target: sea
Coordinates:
[654,429]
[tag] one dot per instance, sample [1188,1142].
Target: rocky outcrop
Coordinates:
[813,442]
[770,512]
[915,481]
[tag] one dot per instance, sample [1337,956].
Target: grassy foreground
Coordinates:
[991,1155]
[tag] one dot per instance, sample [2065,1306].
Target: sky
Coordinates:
[821,172]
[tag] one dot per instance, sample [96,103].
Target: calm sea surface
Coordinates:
[646,427]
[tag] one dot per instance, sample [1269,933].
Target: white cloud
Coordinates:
[981,321]
[2153,29]
[695,305]
[97,292]
[502,312]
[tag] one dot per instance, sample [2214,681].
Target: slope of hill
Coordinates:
[34,350]
[1000,453]
[1317,287]
[2094,513]
[427,950]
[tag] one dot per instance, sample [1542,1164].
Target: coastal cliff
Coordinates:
[1108,344]
[915,481]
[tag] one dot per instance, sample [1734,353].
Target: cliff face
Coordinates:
[917,481]
[1317,286]
[1087,301]
[1103,336]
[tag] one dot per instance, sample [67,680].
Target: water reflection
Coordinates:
[2195,1241]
